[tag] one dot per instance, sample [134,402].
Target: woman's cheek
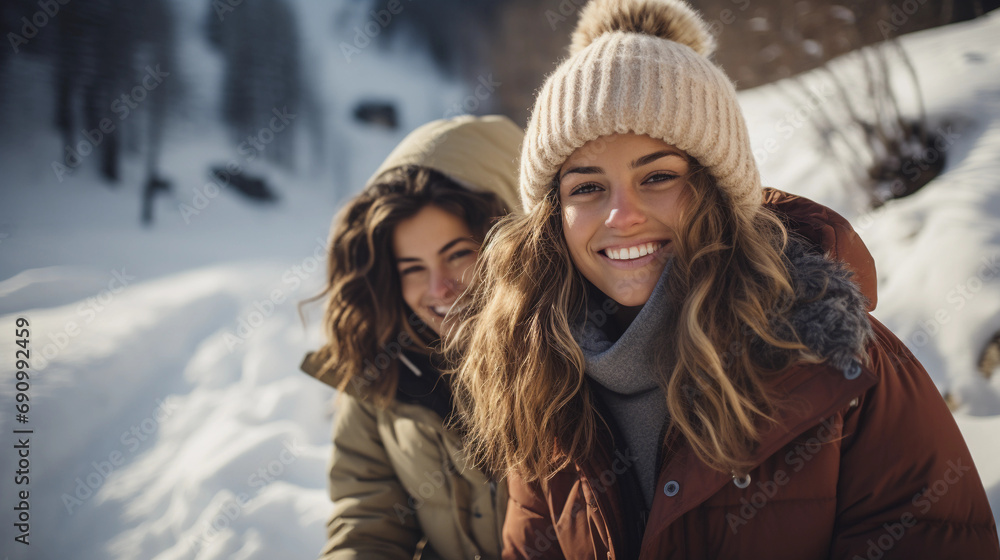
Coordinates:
[410,293]
[575,231]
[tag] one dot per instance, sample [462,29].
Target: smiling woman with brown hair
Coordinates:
[669,360]
[400,254]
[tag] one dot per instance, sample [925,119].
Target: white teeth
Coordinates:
[445,309]
[630,253]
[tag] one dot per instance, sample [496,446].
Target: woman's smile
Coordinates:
[634,255]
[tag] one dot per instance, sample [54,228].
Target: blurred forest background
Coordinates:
[94,50]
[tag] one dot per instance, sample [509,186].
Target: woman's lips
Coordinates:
[439,310]
[633,251]
[638,262]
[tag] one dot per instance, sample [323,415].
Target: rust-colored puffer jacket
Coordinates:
[869,464]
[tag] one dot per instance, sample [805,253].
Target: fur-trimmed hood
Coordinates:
[825,253]
[829,314]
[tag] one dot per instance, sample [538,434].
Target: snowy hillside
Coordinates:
[169,417]
[937,251]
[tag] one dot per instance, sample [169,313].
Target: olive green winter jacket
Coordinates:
[399,481]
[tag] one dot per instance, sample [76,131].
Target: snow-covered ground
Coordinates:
[169,417]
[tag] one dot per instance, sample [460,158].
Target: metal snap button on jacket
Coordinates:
[852,371]
[671,488]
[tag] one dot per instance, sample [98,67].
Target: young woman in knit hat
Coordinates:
[670,361]
[399,256]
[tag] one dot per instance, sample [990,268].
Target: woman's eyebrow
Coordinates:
[584,170]
[644,160]
[447,246]
[647,159]
[452,243]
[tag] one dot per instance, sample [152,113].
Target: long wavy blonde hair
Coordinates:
[366,322]
[520,386]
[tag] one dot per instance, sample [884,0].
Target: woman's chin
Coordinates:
[635,298]
[631,291]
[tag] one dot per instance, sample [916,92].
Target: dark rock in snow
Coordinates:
[254,188]
[377,113]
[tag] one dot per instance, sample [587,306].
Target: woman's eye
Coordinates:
[460,254]
[585,188]
[661,177]
[410,270]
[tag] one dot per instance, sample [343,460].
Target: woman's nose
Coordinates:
[443,284]
[625,209]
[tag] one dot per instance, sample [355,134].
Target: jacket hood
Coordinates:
[480,153]
[832,233]
[833,275]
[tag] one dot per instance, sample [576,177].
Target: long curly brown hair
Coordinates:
[366,322]
[520,385]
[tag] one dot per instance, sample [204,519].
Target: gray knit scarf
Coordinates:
[624,375]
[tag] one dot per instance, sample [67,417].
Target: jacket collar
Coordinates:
[419,382]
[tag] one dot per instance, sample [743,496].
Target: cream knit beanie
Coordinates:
[640,66]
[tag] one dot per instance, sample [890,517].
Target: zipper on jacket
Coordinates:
[631,501]
[493,500]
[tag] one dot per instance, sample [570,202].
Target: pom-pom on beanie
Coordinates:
[640,66]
